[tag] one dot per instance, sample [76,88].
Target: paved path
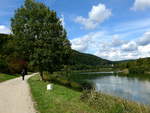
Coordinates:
[15,96]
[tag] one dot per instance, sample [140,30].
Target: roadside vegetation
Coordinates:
[65,100]
[4,77]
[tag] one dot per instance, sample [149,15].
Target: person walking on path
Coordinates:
[23,74]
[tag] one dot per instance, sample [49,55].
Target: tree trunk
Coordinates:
[41,74]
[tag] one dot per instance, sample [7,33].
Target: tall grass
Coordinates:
[103,103]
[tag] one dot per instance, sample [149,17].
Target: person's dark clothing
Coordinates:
[23,74]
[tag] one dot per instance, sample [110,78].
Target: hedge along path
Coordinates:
[15,96]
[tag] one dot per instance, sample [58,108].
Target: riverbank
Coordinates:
[60,100]
[4,77]
[64,100]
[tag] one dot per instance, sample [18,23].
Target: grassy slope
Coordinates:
[64,100]
[59,100]
[104,103]
[4,77]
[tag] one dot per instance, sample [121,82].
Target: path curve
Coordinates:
[15,96]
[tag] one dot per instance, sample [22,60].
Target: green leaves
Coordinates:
[40,36]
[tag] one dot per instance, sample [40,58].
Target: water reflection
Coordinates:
[126,87]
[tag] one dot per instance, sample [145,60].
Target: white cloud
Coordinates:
[141,4]
[86,42]
[88,24]
[130,46]
[4,29]
[99,13]
[116,41]
[145,39]
[144,50]
[116,54]
[80,44]
[96,16]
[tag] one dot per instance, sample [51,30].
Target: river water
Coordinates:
[131,88]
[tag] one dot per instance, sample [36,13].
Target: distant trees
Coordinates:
[140,65]
[136,70]
[40,37]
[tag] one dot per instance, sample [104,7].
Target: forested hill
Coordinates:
[88,59]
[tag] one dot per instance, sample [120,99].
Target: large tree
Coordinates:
[40,36]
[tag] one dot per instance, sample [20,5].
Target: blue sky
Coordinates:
[111,29]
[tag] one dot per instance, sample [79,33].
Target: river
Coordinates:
[132,88]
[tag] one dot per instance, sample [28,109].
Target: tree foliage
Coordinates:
[140,65]
[40,36]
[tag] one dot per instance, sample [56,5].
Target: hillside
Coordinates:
[88,59]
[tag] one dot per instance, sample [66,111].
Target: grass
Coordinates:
[104,103]
[59,100]
[64,100]
[4,77]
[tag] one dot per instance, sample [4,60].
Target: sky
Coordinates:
[111,29]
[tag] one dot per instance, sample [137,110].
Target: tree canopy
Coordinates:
[40,36]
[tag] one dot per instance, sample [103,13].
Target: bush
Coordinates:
[86,86]
[63,81]
[136,70]
[75,85]
[49,77]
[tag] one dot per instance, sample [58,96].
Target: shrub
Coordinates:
[63,81]
[75,85]
[49,77]
[86,86]
[136,70]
